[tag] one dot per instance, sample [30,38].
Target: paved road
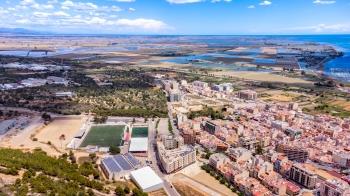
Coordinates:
[152,156]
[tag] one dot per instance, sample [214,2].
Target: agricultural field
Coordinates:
[104,136]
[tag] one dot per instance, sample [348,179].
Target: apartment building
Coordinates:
[334,188]
[247,95]
[293,153]
[189,136]
[342,159]
[172,142]
[304,176]
[176,159]
[215,160]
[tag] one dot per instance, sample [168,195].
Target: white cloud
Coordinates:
[324,2]
[41,14]
[61,14]
[183,1]
[323,28]
[76,16]
[251,6]
[27,2]
[125,1]
[265,3]
[142,23]
[216,1]
[23,21]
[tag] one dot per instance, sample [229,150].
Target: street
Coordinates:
[152,156]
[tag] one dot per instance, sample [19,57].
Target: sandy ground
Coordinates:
[197,179]
[341,103]
[208,180]
[163,126]
[239,49]
[269,50]
[164,65]
[209,188]
[158,193]
[260,76]
[7,179]
[280,96]
[186,190]
[68,125]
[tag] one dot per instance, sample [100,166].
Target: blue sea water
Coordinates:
[338,68]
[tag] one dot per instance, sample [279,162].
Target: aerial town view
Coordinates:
[175,97]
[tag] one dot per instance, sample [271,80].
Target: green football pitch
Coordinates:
[139,132]
[104,136]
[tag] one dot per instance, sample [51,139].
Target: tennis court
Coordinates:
[139,132]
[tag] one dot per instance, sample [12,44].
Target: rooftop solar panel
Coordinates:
[111,165]
[132,159]
[122,162]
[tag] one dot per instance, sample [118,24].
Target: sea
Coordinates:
[338,68]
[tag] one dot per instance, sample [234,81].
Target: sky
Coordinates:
[185,17]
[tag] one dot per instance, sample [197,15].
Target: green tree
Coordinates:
[46,117]
[93,157]
[90,192]
[119,191]
[114,150]
[126,190]
[259,150]
[170,127]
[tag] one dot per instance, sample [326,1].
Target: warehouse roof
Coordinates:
[146,178]
[138,145]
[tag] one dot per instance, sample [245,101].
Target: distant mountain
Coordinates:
[19,31]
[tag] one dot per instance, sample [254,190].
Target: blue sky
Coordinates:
[178,16]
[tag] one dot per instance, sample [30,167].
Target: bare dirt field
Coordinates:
[61,126]
[163,126]
[280,96]
[38,135]
[208,180]
[158,193]
[269,50]
[201,182]
[185,190]
[341,103]
[260,76]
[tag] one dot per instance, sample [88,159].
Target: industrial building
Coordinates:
[117,166]
[146,179]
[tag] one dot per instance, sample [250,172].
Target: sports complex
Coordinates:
[133,135]
[104,136]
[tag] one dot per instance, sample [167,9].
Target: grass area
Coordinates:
[139,132]
[104,136]
[329,109]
